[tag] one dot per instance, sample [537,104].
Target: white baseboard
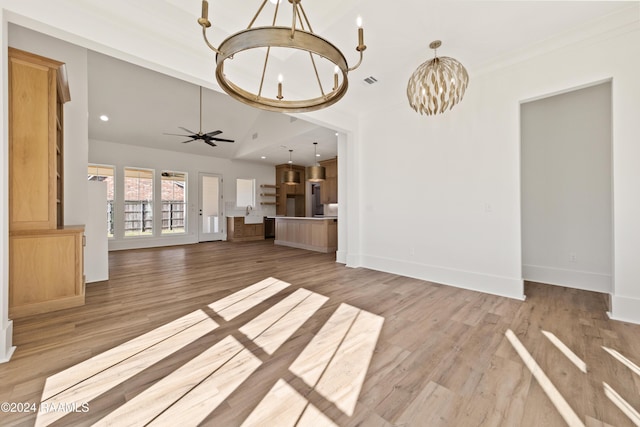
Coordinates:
[150,242]
[576,279]
[6,340]
[625,309]
[354,260]
[497,285]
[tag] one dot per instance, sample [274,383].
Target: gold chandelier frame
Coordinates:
[299,38]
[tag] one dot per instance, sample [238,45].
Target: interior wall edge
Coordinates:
[6,340]
[625,309]
[6,326]
[509,287]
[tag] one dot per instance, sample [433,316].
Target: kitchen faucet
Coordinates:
[249,208]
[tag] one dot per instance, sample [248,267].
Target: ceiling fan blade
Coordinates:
[223,140]
[209,142]
[176,134]
[184,142]
[187,130]
[214,133]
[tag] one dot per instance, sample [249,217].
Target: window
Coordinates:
[105,174]
[138,202]
[245,192]
[174,202]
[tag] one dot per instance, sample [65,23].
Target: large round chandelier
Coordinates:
[437,85]
[269,95]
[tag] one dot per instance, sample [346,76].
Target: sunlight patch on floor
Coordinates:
[284,406]
[620,358]
[334,364]
[149,404]
[86,381]
[336,360]
[567,413]
[622,404]
[273,327]
[566,351]
[238,303]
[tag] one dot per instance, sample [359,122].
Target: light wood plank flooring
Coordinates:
[229,334]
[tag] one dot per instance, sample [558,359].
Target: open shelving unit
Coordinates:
[269,190]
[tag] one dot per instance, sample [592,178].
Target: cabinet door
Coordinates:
[46,272]
[239,229]
[32,136]
[329,188]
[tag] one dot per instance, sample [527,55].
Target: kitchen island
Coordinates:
[311,233]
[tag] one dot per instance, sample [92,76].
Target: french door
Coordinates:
[211,220]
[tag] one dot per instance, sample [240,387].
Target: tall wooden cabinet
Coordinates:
[329,188]
[295,192]
[46,269]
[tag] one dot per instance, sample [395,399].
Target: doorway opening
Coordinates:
[566,189]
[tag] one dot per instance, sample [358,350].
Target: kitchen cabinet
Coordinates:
[313,234]
[329,188]
[46,264]
[297,191]
[239,231]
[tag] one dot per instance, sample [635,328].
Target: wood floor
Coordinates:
[229,334]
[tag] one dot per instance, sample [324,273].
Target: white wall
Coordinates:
[566,189]
[76,126]
[451,213]
[121,156]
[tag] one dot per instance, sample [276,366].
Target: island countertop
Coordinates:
[313,218]
[312,233]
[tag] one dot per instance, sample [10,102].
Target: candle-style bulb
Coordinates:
[280,80]
[204,19]
[205,9]
[361,46]
[359,21]
[336,70]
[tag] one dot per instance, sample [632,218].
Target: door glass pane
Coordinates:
[174,202]
[210,204]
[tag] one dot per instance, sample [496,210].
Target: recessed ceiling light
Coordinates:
[336,133]
[263,157]
[104,118]
[317,155]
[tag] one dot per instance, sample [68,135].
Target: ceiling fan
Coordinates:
[207,138]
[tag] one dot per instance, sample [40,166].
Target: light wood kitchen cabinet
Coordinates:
[297,191]
[46,270]
[329,188]
[238,231]
[38,88]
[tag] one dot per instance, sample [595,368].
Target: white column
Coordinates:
[6,326]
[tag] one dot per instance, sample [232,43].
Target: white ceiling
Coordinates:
[144,104]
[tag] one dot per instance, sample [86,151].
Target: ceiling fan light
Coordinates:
[316,173]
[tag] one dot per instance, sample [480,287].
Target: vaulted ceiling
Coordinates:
[144,104]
